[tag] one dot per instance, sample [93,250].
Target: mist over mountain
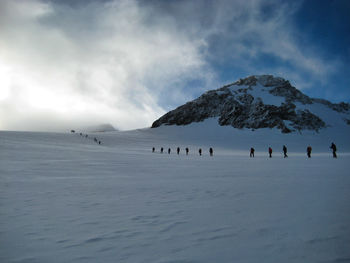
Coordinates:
[106,127]
[260,101]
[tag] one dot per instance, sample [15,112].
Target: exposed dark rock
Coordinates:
[290,93]
[340,107]
[249,81]
[234,106]
[246,98]
[305,120]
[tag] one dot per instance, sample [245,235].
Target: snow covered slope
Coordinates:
[261,102]
[64,198]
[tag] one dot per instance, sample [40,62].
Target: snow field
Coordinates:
[64,198]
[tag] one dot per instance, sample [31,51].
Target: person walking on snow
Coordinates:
[308,151]
[187,150]
[252,150]
[270,152]
[178,150]
[334,149]
[161,150]
[285,151]
[169,150]
[200,152]
[211,151]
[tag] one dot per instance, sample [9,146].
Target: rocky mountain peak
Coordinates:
[259,101]
[264,80]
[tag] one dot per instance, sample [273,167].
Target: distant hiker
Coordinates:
[211,151]
[308,151]
[153,149]
[72,131]
[178,150]
[86,136]
[99,142]
[95,139]
[187,150]
[169,150]
[81,134]
[334,149]
[200,151]
[270,152]
[161,150]
[285,151]
[252,150]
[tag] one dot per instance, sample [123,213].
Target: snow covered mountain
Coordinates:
[262,101]
[99,128]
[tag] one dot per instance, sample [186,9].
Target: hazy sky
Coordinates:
[65,64]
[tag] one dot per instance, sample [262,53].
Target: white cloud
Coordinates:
[99,63]
[121,61]
[250,28]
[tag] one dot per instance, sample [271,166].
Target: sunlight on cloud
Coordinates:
[126,62]
[110,69]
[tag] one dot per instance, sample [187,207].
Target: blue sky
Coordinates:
[74,63]
[326,26]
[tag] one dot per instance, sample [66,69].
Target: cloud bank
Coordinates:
[93,64]
[64,66]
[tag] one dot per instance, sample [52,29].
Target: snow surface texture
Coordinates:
[260,102]
[64,198]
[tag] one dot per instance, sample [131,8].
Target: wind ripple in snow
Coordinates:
[120,203]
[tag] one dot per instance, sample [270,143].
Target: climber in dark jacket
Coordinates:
[252,150]
[161,150]
[211,151]
[169,150]
[308,151]
[334,149]
[178,150]
[153,149]
[270,152]
[285,151]
[187,150]
[200,151]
